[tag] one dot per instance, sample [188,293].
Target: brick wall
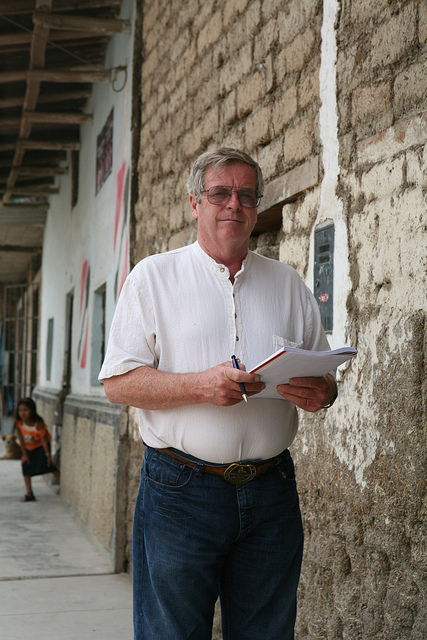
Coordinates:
[235,73]
[249,73]
[364,467]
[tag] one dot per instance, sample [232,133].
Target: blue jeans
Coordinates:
[196,537]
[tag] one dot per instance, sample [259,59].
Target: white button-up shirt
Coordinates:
[179,312]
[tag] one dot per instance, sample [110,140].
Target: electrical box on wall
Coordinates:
[324,274]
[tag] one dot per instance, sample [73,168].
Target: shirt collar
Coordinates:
[217,267]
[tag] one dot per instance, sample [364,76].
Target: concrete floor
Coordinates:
[54,584]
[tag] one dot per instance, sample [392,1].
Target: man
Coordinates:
[204,523]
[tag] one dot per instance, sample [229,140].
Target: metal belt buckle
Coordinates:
[239,473]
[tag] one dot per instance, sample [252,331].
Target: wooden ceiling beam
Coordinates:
[37,60]
[102,26]
[13,76]
[48,145]
[12,124]
[66,76]
[13,39]
[22,208]
[55,75]
[7,103]
[8,8]
[37,191]
[28,171]
[7,146]
[15,248]
[56,118]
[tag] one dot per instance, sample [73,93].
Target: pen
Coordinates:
[241,385]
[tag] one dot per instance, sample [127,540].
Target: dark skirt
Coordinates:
[38,463]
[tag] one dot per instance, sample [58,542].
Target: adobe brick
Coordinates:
[210,33]
[150,64]
[237,36]
[410,90]
[370,99]
[178,96]
[300,51]
[232,9]
[249,91]
[269,9]
[308,88]
[298,144]
[201,16]
[181,41]
[363,11]
[185,14]
[151,15]
[152,37]
[415,166]
[269,75]
[295,18]
[192,142]
[257,128]
[209,124]
[392,39]
[150,106]
[265,40]
[253,17]
[235,69]
[280,66]
[228,109]
[383,179]
[284,109]
[270,158]
[422,23]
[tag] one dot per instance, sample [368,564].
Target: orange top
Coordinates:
[33,435]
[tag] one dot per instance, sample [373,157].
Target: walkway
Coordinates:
[54,585]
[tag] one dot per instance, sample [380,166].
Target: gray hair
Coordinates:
[221,157]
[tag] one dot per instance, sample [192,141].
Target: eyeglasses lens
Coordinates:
[221,195]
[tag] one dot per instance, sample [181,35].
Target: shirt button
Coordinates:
[237,338]
[222,269]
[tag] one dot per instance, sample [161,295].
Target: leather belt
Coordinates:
[234,473]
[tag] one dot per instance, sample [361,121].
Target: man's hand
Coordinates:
[220,384]
[148,388]
[310,394]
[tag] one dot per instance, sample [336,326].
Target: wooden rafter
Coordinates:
[27,6]
[51,54]
[104,26]
[37,60]
[66,96]
[14,39]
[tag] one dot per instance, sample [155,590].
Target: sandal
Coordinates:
[29,497]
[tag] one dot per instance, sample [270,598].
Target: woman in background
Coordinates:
[34,438]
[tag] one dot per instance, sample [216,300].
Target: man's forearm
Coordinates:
[148,388]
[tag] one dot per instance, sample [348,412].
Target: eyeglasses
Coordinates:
[248,198]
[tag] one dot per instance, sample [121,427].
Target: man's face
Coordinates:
[229,224]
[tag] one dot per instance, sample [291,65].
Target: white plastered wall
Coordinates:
[95,232]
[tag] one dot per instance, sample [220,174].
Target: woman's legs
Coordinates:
[29,496]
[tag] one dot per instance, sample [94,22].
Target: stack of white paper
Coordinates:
[290,362]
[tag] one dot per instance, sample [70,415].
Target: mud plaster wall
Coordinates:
[238,73]
[362,467]
[248,73]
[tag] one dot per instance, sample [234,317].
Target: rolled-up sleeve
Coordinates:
[132,339]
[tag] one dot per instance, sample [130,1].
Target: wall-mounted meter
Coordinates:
[324,274]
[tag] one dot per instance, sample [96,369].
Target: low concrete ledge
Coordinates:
[93,407]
